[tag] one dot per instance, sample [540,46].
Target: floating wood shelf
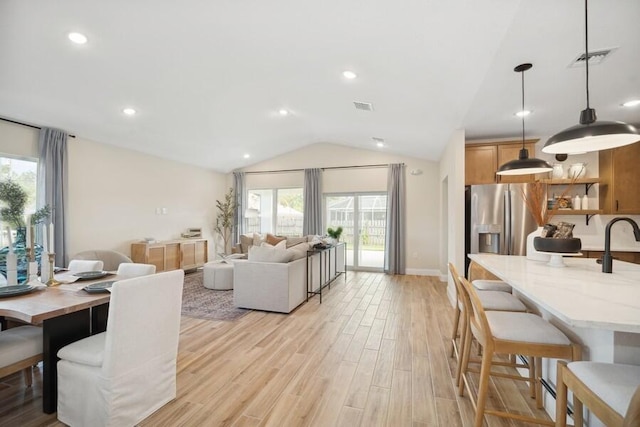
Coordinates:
[578,212]
[566,181]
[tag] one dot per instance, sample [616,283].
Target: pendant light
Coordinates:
[590,135]
[524,164]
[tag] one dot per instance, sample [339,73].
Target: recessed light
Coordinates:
[283,112]
[129,111]
[77,38]
[523,113]
[246,156]
[379,144]
[349,75]
[632,103]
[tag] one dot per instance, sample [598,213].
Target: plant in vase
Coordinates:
[535,200]
[334,234]
[14,199]
[224,220]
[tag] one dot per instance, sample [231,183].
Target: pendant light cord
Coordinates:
[522,110]
[586,46]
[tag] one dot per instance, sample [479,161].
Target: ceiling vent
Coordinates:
[595,58]
[376,139]
[364,106]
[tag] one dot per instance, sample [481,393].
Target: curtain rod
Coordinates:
[28,125]
[382,165]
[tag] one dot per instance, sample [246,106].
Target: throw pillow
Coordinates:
[245,243]
[279,245]
[298,251]
[257,239]
[274,240]
[267,254]
[292,241]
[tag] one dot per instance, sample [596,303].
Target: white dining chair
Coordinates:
[111,259]
[611,391]
[123,375]
[132,269]
[20,349]
[79,265]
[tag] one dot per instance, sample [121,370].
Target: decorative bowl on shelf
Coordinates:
[558,245]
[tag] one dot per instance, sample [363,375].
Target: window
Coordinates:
[277,211]
[24,172]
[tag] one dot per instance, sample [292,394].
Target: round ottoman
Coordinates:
[218,275]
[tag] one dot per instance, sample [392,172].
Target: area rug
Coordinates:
[203,303]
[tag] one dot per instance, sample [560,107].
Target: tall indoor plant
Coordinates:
[224,219]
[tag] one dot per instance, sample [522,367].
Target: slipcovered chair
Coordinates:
[111,259]
[123,375]
[78,266]
[20,349]
[131,269]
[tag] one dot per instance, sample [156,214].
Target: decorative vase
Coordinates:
[20,249]
[532,253]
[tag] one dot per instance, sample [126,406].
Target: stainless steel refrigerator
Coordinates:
[497,219]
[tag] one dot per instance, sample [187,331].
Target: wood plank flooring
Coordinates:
[374,353]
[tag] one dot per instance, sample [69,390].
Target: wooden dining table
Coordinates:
[67,314]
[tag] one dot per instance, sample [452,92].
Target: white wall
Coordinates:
[114,193]
[422,190]
[452,172]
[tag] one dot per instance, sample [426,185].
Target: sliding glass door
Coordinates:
[363,217]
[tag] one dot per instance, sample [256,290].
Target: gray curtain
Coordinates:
[53,185]
[238,190]
[312,219]
[394,254]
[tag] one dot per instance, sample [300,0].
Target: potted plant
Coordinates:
[224,220]
[335,234]
[14,199]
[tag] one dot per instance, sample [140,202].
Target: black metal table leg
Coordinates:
[99,316]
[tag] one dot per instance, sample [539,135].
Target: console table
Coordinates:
[187,254]
[327,268]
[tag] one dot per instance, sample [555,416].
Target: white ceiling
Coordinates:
[208,77]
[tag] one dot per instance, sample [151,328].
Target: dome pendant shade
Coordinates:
[590,135]
[524,165]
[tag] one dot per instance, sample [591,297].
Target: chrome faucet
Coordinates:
[607,260]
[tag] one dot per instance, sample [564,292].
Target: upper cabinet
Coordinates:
[483,160]
[620,180]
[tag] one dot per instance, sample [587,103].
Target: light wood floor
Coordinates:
[374,353]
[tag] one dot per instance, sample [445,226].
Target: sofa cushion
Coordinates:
[274,240]
[268,254]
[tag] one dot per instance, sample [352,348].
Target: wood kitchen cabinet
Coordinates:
[480,164]
[620,180]
[633,257]
[171,255]
[483,160]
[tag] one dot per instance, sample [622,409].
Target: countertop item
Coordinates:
[580,294]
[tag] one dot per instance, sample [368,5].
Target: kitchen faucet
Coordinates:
[607,260]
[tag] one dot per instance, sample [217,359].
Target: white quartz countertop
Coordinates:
[579,294]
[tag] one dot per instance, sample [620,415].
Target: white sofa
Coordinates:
[274,286]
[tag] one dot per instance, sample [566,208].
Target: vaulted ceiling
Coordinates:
[208,78]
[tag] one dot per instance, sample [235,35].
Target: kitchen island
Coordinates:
[598,310]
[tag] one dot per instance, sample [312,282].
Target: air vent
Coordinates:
[365,106]
[595,58]
[376,139]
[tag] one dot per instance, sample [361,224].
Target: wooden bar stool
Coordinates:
[491,301]
[483,280]
[501,332]
[610,391]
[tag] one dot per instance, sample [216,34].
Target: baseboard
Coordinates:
[424,272]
